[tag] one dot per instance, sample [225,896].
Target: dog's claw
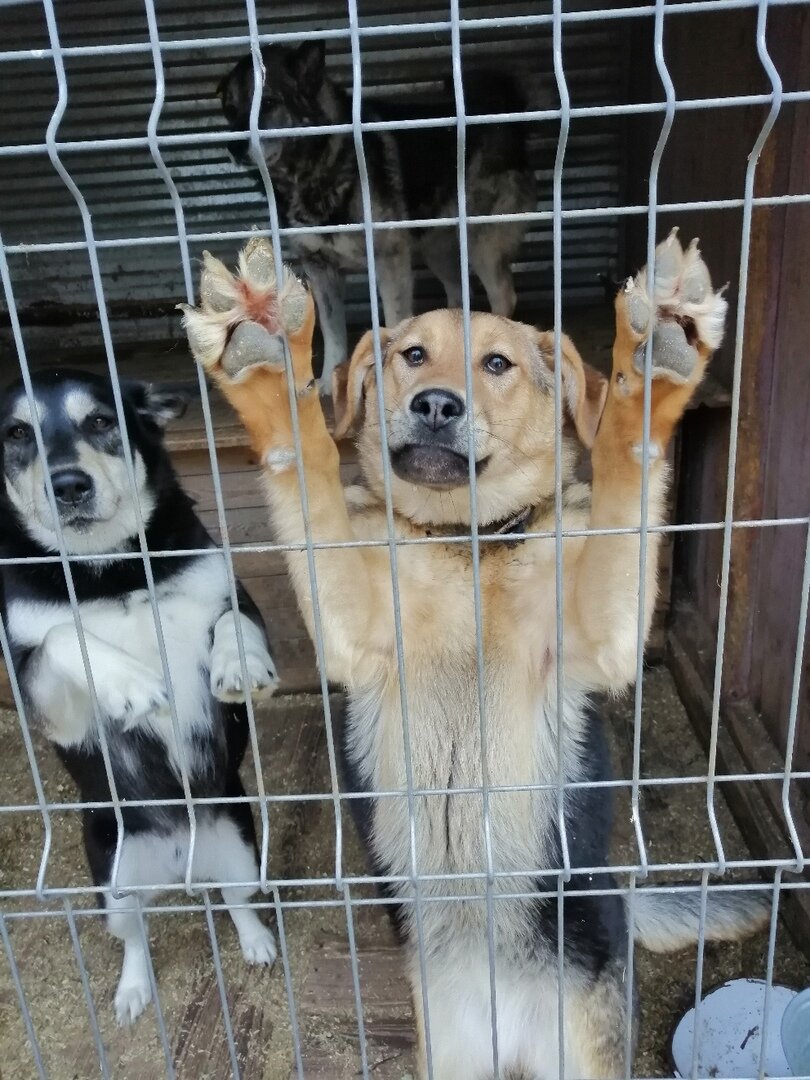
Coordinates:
[259,948]
[638,311]
[258,264]
[130,1001]
[226,676]
[668,264]
[216,285]
[696,284]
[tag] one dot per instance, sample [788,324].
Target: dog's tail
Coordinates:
[666,922]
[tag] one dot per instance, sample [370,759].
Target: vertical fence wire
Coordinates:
[461,197]
[358,995]
[160,1019]
[391,536]
[210,438]
[288,986]
[103,1062]
[739,340]
[790,737]
[320,652]
[769,964]
[701,952]
[98,288]
[652,214]
[221,988]
[629,979]
[564,871]
[36,1051]
[25,731]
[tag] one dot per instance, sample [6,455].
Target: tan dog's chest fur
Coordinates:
[435,865]
[439,658]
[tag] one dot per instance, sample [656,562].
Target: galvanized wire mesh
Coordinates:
[41,900]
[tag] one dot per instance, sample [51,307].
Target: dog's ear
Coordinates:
[349,383]
[584,389]
[158,404]
[308,62]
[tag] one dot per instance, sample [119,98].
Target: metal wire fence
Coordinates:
[41,899]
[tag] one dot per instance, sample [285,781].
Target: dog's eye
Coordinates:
[497,364]
[414,356]
[99,422]
[18,432]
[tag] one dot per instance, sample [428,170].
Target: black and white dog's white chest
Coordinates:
[188,604]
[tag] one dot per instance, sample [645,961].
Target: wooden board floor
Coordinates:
[294,762]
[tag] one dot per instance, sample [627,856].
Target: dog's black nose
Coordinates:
[436,408]
[71,486]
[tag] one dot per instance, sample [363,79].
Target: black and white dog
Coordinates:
[411,175]
[84,458]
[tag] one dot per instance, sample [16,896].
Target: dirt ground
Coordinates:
[303,846]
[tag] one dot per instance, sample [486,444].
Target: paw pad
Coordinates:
[671,352]
[243,317]
[251,344]
[685,316]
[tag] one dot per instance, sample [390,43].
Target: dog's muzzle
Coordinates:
[75,493]
[435,454]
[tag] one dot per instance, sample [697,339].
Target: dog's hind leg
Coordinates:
[151,860]
[440,250]
[134,988]
[226,851]
[328,289]
[394,279]
[491,251]
[596,1020]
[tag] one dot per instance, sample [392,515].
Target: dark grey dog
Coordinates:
[412,175]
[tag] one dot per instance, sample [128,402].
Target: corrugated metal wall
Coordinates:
[111,95]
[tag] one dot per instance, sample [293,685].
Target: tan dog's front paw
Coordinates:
[243,318]
[685,317]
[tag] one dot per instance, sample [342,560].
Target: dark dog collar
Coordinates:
[514,526]
[511,528]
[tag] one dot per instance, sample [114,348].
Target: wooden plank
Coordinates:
[750,802]
[229,459]
[327,1002]
[6,700]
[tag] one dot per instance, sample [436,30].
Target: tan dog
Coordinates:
[236,335]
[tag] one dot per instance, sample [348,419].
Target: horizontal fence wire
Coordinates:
[418,792]
[186,907]
[259,548]
[338,888]
[399,28]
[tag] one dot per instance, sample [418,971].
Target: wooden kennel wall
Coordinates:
[705,159]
